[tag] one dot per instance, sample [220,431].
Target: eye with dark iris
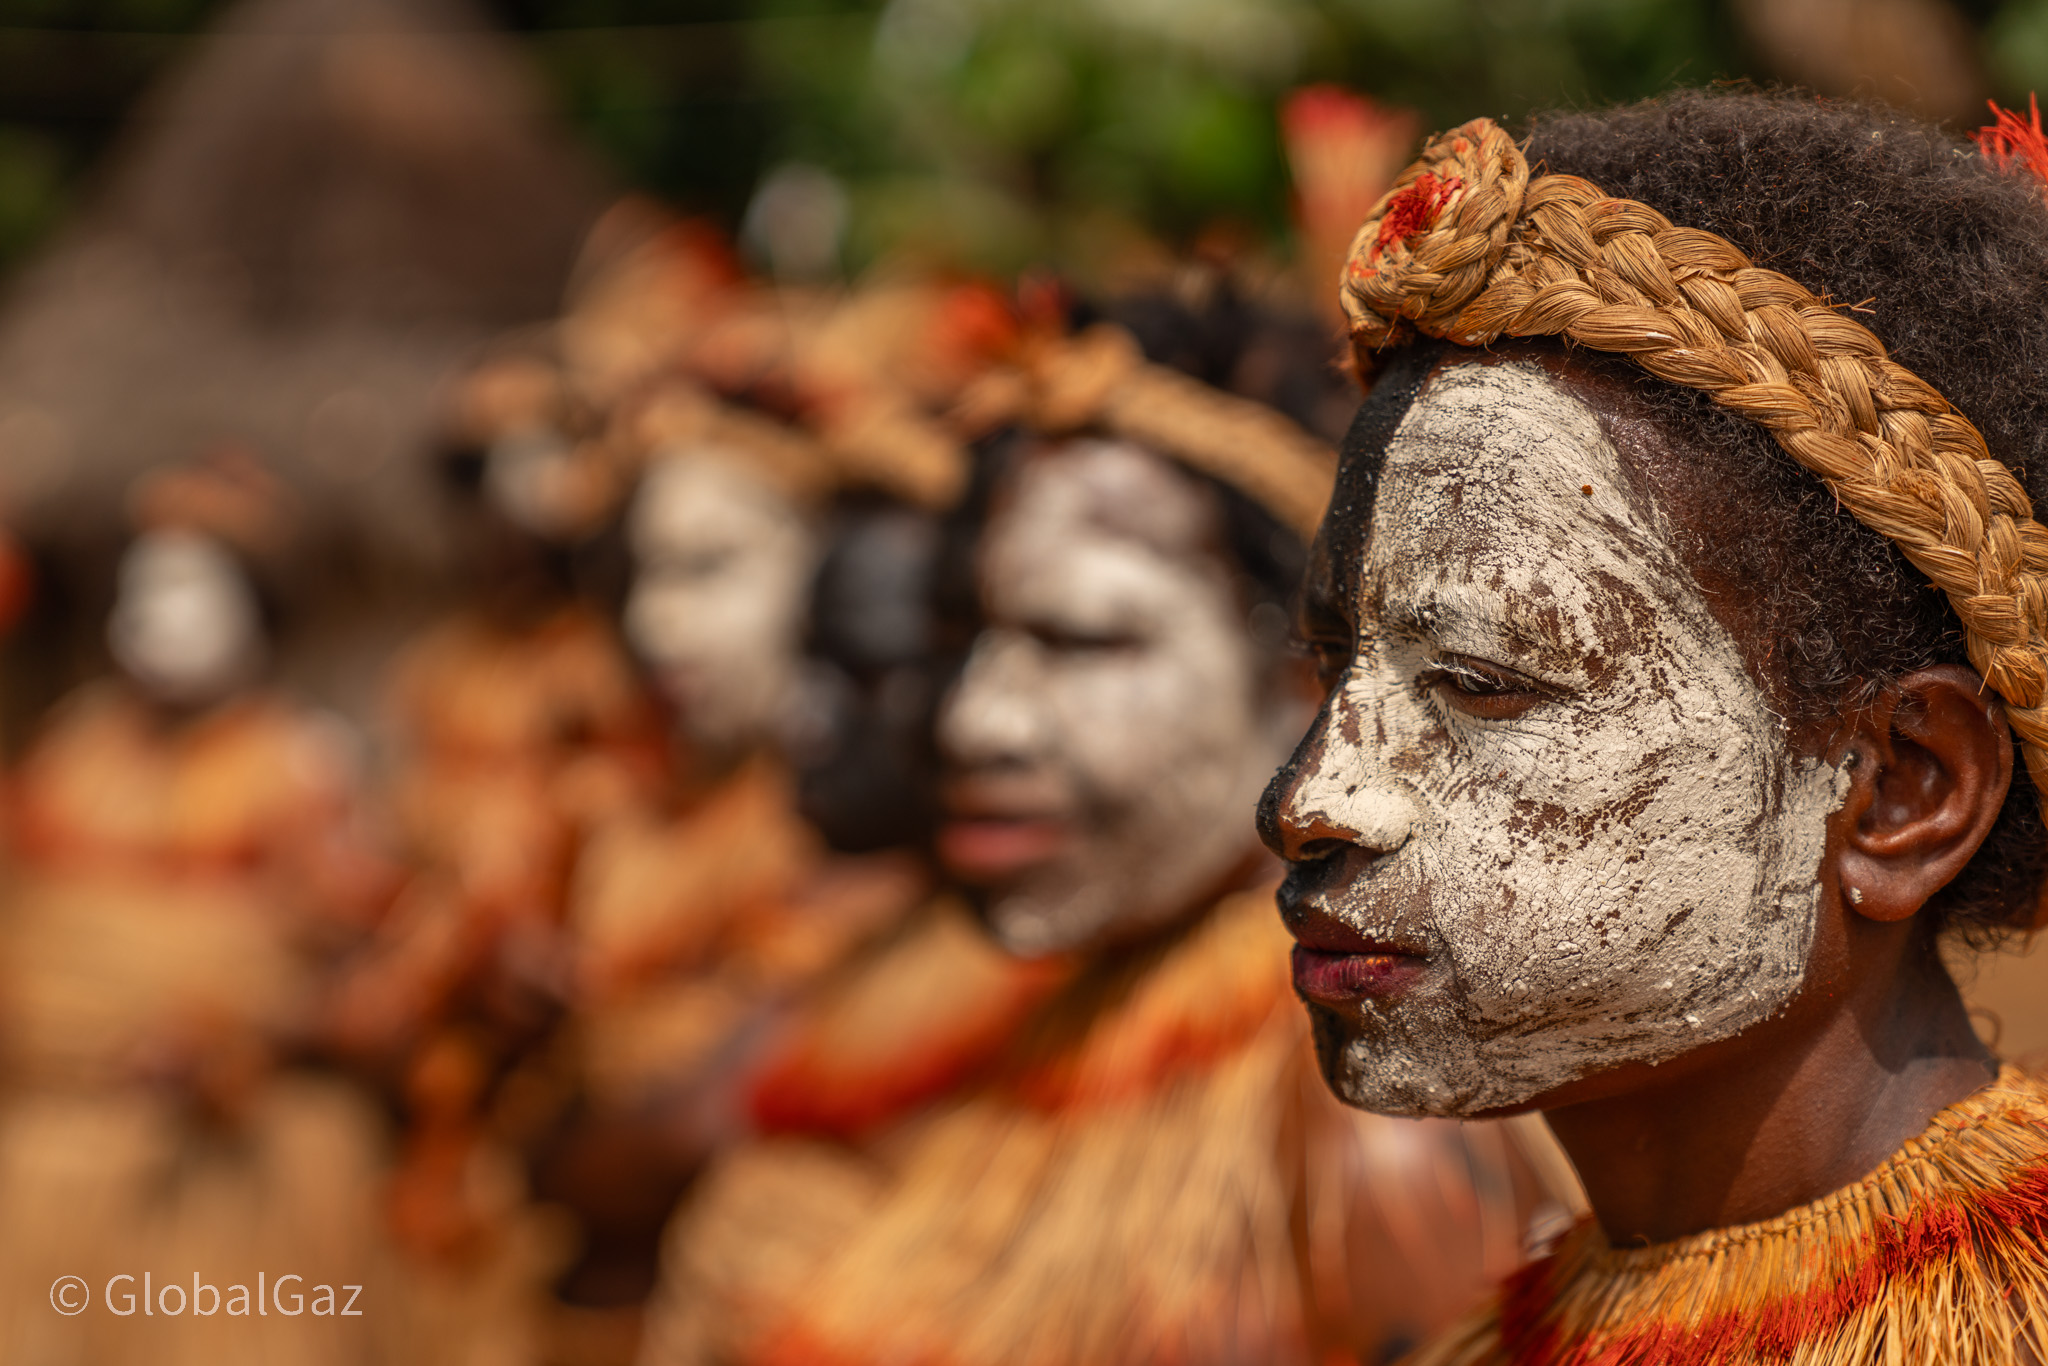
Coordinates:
[1480,689]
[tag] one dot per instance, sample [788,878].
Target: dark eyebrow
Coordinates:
[1428,619]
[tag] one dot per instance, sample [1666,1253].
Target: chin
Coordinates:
[1025,933]
[1078,906]
[1369,1074]
[1420,1073]
[1418,1065]
[1031,923]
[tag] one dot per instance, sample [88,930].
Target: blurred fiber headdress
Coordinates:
[1099,380]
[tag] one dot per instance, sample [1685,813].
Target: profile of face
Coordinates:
[1107,738]
[185,624]
[722,571]
[1546,822]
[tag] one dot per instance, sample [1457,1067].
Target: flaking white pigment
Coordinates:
[1621,874]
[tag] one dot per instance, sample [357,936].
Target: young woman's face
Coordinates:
[1546,823]
[722,571]
[1106,742]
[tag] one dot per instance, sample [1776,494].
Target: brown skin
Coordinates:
[1876,1042]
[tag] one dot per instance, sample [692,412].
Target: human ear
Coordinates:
[1930,764]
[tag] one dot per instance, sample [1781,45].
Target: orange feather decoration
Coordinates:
[2015,144]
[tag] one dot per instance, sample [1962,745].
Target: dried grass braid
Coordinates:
[1099,380]
[1469,247]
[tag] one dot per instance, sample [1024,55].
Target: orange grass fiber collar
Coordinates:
[1937,1258]
[1468,246]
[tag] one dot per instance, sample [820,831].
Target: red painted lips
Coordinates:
[1348,978]
[998,828]
[1336,965]
[992,849]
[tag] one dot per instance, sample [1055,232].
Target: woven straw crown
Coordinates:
[1100,381]
[1469,247]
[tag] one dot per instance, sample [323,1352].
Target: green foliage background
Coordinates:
[993,131]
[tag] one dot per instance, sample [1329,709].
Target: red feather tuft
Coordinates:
[2016,144]
[1415,210]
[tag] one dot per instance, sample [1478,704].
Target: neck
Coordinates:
[1748,1132]
[171,713]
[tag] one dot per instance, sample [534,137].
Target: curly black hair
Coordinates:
[1941,255]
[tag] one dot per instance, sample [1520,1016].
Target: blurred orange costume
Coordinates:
[688,924]
[1129,1157]
[694,920]
[565,851]
[691,913]
[180,880]
[515,740]
[1146,1167]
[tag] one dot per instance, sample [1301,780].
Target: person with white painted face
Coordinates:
[693,918]
[1652,778]
[514,727]
[190,849]
[724,529]
[1136,1164]
[188,759]
[519,721]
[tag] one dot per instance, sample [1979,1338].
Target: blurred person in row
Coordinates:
[520,721]
[1131,1158]
[519,726]
[751,497]
[617,883]
[516,727]
[695,922]
[692,916]
[191,853]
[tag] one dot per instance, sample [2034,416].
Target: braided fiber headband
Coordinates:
[1469,247]
[1101,381]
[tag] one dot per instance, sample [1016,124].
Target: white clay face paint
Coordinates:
[1621,874]
[532,476]
[185,624]
[1113,700]
[722,570]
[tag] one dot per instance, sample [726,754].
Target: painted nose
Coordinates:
[1331,797]
[993,715]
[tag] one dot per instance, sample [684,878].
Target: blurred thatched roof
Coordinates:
[329,206]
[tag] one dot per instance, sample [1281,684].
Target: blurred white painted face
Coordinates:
[185,623]
[722,573]
[530,475]
[1106,743]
